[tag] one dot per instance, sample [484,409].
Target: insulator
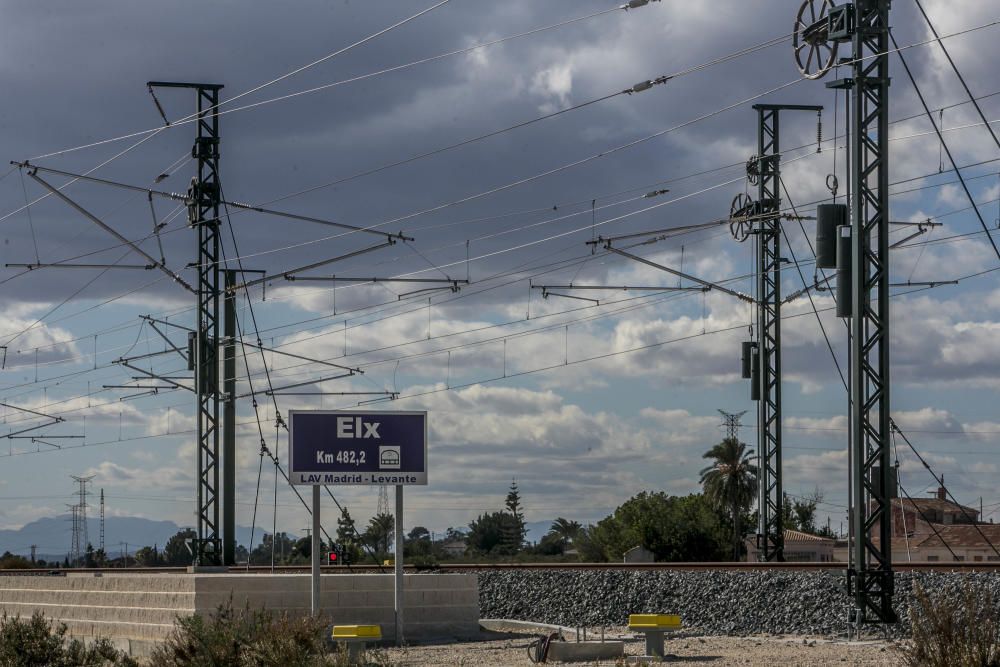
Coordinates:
[632,4]
[845,287]
[641,86]
[828,218]
[819,131]
[749,349]
[655,193]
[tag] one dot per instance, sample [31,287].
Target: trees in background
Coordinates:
[562,534]
[514,531]
[674,529]
[147,557]
[730,484]
[9,561]
[490,534]
[800,514]
[284,548]
[347,536]
[499,533]
[379,533]
[176,552]
[418,543]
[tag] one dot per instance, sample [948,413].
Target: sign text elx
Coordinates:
[357,448]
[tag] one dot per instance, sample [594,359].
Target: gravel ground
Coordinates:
[511,651]
[738,603]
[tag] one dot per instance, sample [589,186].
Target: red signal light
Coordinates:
[333,557]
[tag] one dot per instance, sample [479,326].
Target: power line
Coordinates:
[489,380]
[637,88]
[944,145]
[512,281]
[958,73]
[192,117]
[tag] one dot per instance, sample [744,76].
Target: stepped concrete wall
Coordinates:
[138,610]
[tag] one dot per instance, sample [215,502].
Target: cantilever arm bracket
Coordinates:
[680,274]
[100,223]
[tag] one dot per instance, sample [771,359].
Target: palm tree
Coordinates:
[730,483]
[379,533]
[567,531]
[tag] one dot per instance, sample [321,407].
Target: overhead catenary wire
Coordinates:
[652,185]
[636,88]
[800,216]
[947,150]
[895,429]
[192,117]
[6,216]
[402,396]
[892,424]
[643,139]
[103,331]
[958,73]
[147,135]
[270,391]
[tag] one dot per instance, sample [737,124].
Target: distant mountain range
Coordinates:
[52,535]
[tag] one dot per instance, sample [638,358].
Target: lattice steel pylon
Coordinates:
[731,422]
[871,580]
[770,531]
[102,521]
[74,541]
[82,538]
[866,25]
[204,201]
[383,501]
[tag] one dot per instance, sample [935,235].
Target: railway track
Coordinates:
[474,567]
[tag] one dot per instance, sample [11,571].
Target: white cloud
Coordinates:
[555,81]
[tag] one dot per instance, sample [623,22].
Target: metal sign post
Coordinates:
[315,553]
[341,448]
[398,565]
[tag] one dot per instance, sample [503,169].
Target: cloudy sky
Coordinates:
[584,403]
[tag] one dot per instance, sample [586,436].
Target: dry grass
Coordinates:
[954,631]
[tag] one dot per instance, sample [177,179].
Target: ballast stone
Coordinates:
[717,603]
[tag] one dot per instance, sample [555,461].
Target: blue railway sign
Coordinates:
[357,448]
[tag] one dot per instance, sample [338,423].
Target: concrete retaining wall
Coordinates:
[138,610]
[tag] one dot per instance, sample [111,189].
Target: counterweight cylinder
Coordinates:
[828,218]
[845,302]
[749,349]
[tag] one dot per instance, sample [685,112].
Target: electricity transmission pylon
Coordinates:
[731,422]
[80,537]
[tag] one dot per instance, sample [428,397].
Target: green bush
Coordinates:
[37,642]
[9,561]
[244,638]
[958,630]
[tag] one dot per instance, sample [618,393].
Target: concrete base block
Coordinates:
[585,651]
[139,610]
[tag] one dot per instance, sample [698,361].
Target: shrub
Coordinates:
[37,642]
[9,561]
[957,630]
[244,638]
